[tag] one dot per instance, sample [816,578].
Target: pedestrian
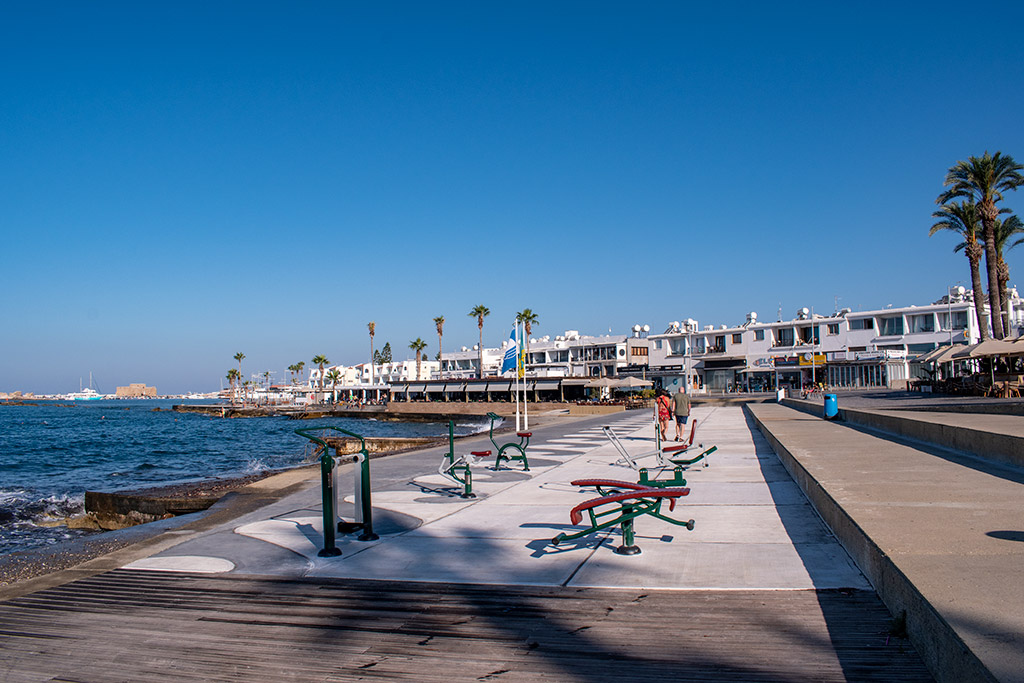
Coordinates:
[662,412]
[681,409]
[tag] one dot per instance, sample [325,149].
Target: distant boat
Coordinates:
[87,394]
[84,395]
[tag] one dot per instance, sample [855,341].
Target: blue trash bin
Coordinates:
[831,407]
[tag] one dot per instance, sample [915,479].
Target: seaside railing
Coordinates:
[363,520]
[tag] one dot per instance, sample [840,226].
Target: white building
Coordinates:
[844,349]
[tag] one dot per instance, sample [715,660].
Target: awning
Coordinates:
[399,388]
[417,388]
[989,347]
[436,388]
[501,385]
[547,384]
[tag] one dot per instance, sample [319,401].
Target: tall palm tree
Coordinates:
[1005,230]
[372,326]
[962,218]
[233,377]
[528,318]
[439,324]
[321,360]
[983,180]
[240,356]
[480,312]
[299,367]
[418,345]
[334,376]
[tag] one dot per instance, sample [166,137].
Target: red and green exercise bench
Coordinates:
[510,451]
[621,502]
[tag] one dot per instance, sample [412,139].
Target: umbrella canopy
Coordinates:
[963,352]
[930,356]
[633,383]
[989,347]
[943,354]
[600,383]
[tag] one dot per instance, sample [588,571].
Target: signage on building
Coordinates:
[812,359]
[765,363]
[789,361]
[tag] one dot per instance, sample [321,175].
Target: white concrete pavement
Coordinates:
[753,527]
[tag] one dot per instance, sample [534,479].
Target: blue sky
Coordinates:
[183,181]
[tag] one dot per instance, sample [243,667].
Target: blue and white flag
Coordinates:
[511,352]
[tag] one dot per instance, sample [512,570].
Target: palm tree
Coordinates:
[240,357]
[1006,229]
[439,323]
[480,312]
[983,180]
[334,376]
[233,377]
[418,345]
[962,218]
[321,361]
[299,367]
[528,318]
[372,326]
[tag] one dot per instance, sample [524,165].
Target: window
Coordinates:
[921,323]
[677,347]
[758,335]
[657,344]
[784,336]
[959,321]
[810,334]
[737,338]
[638,350]
[833,329]
[862,324]
[891,326]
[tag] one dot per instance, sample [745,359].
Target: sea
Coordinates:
[52,452]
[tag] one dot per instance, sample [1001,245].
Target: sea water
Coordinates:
[51,453]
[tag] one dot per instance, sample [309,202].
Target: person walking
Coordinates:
[662,412]
[681,410]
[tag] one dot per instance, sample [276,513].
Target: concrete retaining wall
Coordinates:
[944,652]
[927,428]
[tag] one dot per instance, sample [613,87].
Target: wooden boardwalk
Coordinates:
[141,626]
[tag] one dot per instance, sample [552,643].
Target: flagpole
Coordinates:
[526,405]
[518,427]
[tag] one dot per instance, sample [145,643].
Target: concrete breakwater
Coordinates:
[435,411]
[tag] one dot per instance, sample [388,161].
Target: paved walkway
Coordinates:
[760,590]
[753,527]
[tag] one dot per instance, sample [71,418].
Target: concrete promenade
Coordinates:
[759,590]
[939,533]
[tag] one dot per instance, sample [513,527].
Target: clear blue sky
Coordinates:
[183,181]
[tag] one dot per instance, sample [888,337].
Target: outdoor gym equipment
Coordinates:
[451,468]
[329,491]
[664,454]
[524,441]
[701,457]
[622,501]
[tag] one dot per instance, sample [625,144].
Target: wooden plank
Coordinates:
[148,626]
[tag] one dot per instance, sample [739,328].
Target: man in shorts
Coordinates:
[681,409]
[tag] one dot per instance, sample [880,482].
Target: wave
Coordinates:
[21,506]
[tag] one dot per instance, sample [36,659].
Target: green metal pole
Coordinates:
[365,502]
[330,549]
[627,547]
